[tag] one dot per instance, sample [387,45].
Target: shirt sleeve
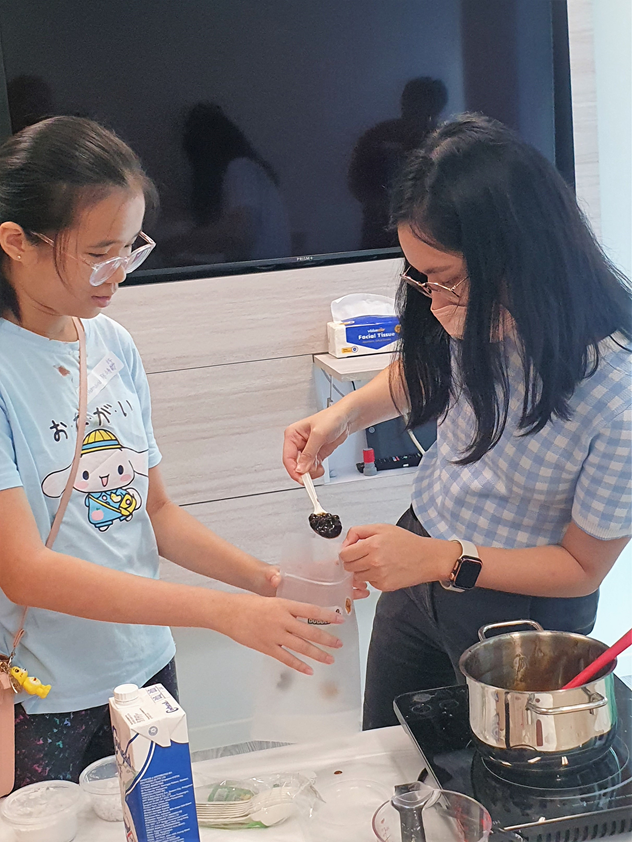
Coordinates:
[142,390]
[602,506]
[9,474]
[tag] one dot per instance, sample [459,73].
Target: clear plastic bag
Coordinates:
[256,802]
[292,707]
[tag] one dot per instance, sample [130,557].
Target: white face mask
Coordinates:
[452,319]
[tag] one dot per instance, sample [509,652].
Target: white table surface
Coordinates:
[386,755]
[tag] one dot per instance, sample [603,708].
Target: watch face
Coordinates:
[468,573]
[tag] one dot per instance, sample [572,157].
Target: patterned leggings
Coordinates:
[59,746]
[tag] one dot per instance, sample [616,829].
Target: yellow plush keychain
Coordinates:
[33,686]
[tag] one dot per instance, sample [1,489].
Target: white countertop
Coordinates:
[386,755]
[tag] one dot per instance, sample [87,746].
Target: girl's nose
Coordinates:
[118,277]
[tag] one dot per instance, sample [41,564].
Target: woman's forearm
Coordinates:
[391,558]
[576,567]
[374,401]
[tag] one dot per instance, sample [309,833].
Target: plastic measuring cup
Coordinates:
[450,817]
[292,707]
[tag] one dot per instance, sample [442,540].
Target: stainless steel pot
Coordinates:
[518,715]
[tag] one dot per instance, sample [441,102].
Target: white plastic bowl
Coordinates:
[100,781]
[44,812]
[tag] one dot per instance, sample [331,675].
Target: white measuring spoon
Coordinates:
[323,523]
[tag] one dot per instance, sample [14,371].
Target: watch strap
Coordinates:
[468,551]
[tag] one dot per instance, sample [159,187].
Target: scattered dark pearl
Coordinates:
[326,525]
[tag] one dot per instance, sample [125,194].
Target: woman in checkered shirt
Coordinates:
[515,339]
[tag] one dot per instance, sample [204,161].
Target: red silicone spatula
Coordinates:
[609,655]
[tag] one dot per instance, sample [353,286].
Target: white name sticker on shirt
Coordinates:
[102,373]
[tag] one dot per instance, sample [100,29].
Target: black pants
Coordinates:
[419,633]
[59,746]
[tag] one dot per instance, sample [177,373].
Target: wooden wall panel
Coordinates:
[220,428]
[258,523]
[216,321]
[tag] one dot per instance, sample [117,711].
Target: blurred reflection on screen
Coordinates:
[381,151]
[236,210]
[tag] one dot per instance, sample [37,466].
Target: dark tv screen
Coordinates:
[273,128]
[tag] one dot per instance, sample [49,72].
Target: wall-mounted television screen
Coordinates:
[274,127]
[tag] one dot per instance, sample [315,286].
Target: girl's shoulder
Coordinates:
[105,331]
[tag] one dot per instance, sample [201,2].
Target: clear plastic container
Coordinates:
[346,811]
[44,812]
[446,817]
[292,707]
[101,783]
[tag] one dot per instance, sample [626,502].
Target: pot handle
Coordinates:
[598,701]
[482,632]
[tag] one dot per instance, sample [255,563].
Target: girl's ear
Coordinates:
[14,241]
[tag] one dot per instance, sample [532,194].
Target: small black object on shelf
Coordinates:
[387,463]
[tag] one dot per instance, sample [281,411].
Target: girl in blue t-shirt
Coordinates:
[515,334]
[72,202]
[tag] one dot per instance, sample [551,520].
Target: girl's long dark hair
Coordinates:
[211,142]
[475,188]
[49,169]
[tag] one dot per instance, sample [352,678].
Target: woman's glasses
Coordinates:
[102,272]
[420,282]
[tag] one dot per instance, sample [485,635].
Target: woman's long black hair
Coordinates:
[475,188]
[211,142]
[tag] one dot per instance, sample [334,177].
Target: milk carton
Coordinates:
[152,754]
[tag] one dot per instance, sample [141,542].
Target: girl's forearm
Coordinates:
[185,541]
[69,585]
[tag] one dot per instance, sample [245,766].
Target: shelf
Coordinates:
[354,475]
[349,369]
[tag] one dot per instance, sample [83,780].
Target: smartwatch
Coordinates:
[466,570]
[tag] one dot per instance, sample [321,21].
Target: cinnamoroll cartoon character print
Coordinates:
[106,471]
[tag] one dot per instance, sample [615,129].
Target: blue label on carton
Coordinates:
[372,331]
[151,746]
[161,798]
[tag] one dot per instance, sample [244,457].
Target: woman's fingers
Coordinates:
[354,552]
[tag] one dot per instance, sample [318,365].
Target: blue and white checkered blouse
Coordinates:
[525,491]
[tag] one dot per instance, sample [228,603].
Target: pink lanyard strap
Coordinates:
[65,497]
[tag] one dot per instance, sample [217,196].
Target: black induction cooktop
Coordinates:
[588,804]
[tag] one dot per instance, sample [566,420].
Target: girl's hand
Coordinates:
[306,443]
[271,581]
[390,558]
[272,626]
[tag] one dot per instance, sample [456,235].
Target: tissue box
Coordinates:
[363,335]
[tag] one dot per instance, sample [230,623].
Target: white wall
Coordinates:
[612,33]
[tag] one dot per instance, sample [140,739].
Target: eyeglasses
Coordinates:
[413,278]
[103,271]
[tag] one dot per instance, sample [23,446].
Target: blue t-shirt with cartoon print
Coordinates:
[106,521]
